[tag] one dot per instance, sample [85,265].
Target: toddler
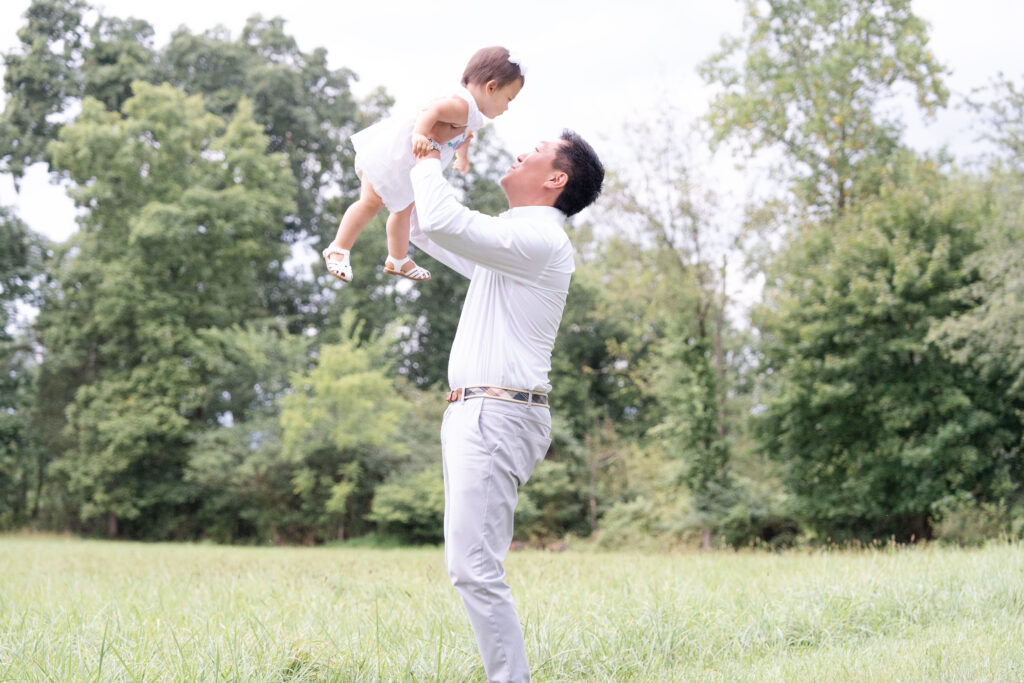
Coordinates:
[387,151]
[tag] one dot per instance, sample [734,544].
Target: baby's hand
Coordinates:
[420,144]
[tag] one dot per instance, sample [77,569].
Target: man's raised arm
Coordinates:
[507,246]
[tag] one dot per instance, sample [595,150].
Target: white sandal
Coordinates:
[393,266]
[341,268]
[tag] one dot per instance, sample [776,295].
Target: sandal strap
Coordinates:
[334,249]
[414,273]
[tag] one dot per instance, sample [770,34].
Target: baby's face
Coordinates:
[494,101]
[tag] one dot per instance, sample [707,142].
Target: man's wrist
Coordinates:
[432,155]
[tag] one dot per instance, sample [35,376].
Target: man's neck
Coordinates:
[541,200]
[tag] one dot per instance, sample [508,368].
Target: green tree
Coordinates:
[876,427]
[21,263]
[305,108]
[118,52]
[809,78]
[989,334]
[341,430]
[1003,119]
[411,507]
[684,256]
[236,470]
[42,78]
[307,112]
[21,462]
[184,213]
[988,337]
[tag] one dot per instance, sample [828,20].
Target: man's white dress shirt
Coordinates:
[519,265]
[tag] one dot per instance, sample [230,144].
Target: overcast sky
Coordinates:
[593,65]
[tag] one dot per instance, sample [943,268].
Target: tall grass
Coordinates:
[73,610]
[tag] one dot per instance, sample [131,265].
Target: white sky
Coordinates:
[593,65]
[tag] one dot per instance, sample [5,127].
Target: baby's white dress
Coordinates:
[384,153]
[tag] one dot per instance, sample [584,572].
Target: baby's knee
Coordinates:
[373,202]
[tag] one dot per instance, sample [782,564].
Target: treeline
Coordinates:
[179,379]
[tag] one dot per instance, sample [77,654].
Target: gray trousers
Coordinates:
[489,449]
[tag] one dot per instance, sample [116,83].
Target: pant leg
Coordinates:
[490,448]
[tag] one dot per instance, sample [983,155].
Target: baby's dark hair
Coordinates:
[491,64]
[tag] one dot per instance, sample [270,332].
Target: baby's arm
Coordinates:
[441,120]
[462,155]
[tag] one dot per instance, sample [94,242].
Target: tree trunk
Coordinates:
[593,492]
[111,525]
[40,469]
[720,356]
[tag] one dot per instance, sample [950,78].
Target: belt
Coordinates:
[530,398]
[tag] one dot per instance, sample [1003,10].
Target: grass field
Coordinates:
[87,610]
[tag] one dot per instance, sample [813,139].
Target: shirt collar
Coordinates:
[546,213]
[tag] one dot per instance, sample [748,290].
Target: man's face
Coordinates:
[531,170]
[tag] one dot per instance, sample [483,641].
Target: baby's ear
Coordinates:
[491,87]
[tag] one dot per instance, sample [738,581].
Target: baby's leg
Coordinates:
[398,261]
[358,214]
[398,233]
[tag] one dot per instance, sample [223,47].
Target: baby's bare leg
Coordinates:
[398,261]
[358,214]
[398,233]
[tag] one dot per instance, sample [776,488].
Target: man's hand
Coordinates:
[420,145]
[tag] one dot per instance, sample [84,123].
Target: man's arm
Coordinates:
[506,246]
[460,265]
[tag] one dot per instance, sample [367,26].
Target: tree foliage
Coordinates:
[186,378]
[22,253]
[340,427]
[42,78]
[810,77]
[877,428]
[184,210]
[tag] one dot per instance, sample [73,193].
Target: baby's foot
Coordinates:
[337,262]
[406,268]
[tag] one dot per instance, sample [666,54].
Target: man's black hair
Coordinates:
[577,159]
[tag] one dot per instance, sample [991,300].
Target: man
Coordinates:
[497,425]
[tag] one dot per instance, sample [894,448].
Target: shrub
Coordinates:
[411,507]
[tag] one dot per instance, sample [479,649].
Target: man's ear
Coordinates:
[557,180]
